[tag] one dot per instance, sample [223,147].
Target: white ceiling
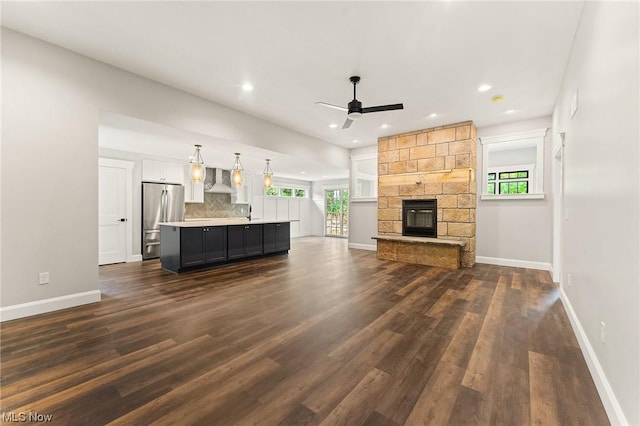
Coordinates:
[129,134]
[432,56]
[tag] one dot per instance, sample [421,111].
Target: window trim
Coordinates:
[354,178]
[536,183]
[529,168]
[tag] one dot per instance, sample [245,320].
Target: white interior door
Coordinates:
[112,208]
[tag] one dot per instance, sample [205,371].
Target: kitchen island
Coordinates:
[203,243]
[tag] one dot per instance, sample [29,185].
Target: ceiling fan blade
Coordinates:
[382,108]
[347,123]
[331,106]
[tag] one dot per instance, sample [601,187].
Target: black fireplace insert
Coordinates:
[419,218]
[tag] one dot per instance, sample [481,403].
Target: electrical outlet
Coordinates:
[569,280]
[44,278]
[603,330]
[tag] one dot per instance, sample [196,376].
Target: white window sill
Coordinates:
[490,197]
[364,200]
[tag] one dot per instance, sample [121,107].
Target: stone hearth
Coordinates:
[433,163]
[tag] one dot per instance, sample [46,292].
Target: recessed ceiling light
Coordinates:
[355,141]
[324,176]
[511,111]
[484,87]
[384,126]
[247,87]
[303,173]
[333,125]
[433,115]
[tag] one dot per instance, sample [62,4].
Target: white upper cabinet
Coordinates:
[162,171]
[193,192]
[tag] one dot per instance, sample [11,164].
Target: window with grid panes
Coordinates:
[508,182]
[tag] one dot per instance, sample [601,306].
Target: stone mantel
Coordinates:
[420,240]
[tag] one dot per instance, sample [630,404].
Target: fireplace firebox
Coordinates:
[419,218]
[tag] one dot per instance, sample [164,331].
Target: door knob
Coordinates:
[122,219]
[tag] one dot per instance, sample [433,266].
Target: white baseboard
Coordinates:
[37,307]
[609,400]
[135,258]
[514,263]
[371,247]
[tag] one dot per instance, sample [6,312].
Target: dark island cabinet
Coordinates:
[244,241]
[215,244]
[200,245]
[277,237]
[186,248]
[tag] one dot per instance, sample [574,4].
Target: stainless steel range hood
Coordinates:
[215,183]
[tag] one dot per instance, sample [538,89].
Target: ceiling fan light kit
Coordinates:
[354,108]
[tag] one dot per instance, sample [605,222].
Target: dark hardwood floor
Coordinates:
[322,335]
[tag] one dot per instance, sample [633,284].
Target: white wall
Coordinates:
[600,239]
[363,215]
[363,224]
[52,99]
[516,230]
[513,156]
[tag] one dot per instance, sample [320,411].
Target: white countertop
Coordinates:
[189,223]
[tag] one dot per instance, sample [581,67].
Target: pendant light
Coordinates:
[198,170]
[266,179]
[237,175]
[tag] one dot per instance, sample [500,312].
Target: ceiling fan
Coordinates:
[354,108]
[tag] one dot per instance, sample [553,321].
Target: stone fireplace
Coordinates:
[419,218]
[435,164]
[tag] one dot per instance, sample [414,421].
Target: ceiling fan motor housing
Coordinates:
[355,109]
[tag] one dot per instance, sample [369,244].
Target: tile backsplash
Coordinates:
[215,205]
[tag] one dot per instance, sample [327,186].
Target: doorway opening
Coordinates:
[337,213]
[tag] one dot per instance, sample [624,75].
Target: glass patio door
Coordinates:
[337,208]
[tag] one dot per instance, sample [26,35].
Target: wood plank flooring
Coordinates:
[324,335]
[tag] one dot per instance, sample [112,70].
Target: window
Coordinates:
[364,177]
[509,180]
[272,191]
[286,191]
[512,165]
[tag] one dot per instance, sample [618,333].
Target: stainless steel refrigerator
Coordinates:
[160,203]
